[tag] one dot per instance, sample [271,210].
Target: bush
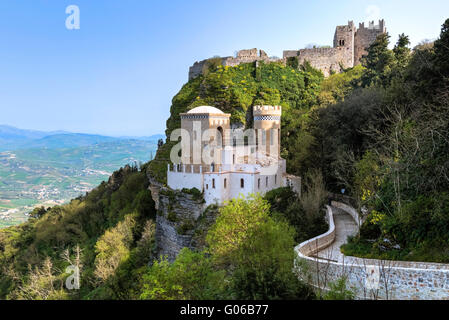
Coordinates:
[257,249]
[339,291]
[191,277]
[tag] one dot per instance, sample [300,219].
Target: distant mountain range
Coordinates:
[12,138]
[49,168]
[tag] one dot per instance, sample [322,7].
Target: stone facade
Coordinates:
[232,166]
[242,56]
[364,36]
[349,46]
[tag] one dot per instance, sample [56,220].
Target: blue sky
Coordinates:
[117,74]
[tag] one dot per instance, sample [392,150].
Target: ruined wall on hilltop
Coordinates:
[364,37]
[349,46]
[328,60]
[242,56]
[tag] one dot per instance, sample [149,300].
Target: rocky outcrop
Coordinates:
[182,219]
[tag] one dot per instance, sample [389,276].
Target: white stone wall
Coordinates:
[236,189]
[214,190]
[352,212]
[180,180]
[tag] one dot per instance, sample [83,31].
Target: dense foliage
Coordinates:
[380,130]
[387,143]
[108,234]
[249,255]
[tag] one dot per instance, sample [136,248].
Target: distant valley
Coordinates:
[49,168]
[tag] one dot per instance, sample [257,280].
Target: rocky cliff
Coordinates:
[182,219]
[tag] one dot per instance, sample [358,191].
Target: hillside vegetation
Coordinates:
[381,131]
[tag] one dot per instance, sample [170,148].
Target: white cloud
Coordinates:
[372,13]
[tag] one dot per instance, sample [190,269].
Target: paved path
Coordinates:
[344,226]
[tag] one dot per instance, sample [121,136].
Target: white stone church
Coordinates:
[225,162]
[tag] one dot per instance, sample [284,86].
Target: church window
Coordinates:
[213,183]
[242,183]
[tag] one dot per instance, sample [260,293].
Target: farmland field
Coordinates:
[47,177]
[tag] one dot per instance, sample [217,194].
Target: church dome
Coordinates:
[206,109]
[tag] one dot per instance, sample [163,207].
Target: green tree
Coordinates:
[191,276]
[237,221]
[402,54]
[338,291]
[113,248]
[441,61]
[378,63]
[257,250]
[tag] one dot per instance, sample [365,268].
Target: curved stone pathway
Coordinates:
[346,226]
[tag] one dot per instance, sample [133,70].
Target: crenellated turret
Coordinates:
[267,124]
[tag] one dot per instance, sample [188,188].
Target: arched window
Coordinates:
[266,182]
[225,183]
[275,179]
[258,183]
[220,136]
[213,183]
[242,183]
[279,138]
[233,159]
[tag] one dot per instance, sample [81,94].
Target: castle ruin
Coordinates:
[350,45]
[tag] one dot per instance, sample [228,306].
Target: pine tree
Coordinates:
[441,62]
[378,63]
[402,52]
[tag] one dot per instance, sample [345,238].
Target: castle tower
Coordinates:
[365,36]
[344,39]
[267,123]
[204,126]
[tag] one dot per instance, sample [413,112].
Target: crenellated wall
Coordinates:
[364,37]
[349,46]
[242,56]
[328,60]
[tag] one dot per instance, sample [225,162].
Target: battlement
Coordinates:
[267,110]
[242,56]
[371,26]
[251,54]
[350,45]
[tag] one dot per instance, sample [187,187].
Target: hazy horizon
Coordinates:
[61,131]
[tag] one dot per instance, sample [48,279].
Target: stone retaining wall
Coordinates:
[352,212]
[371,278]
[320,242]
